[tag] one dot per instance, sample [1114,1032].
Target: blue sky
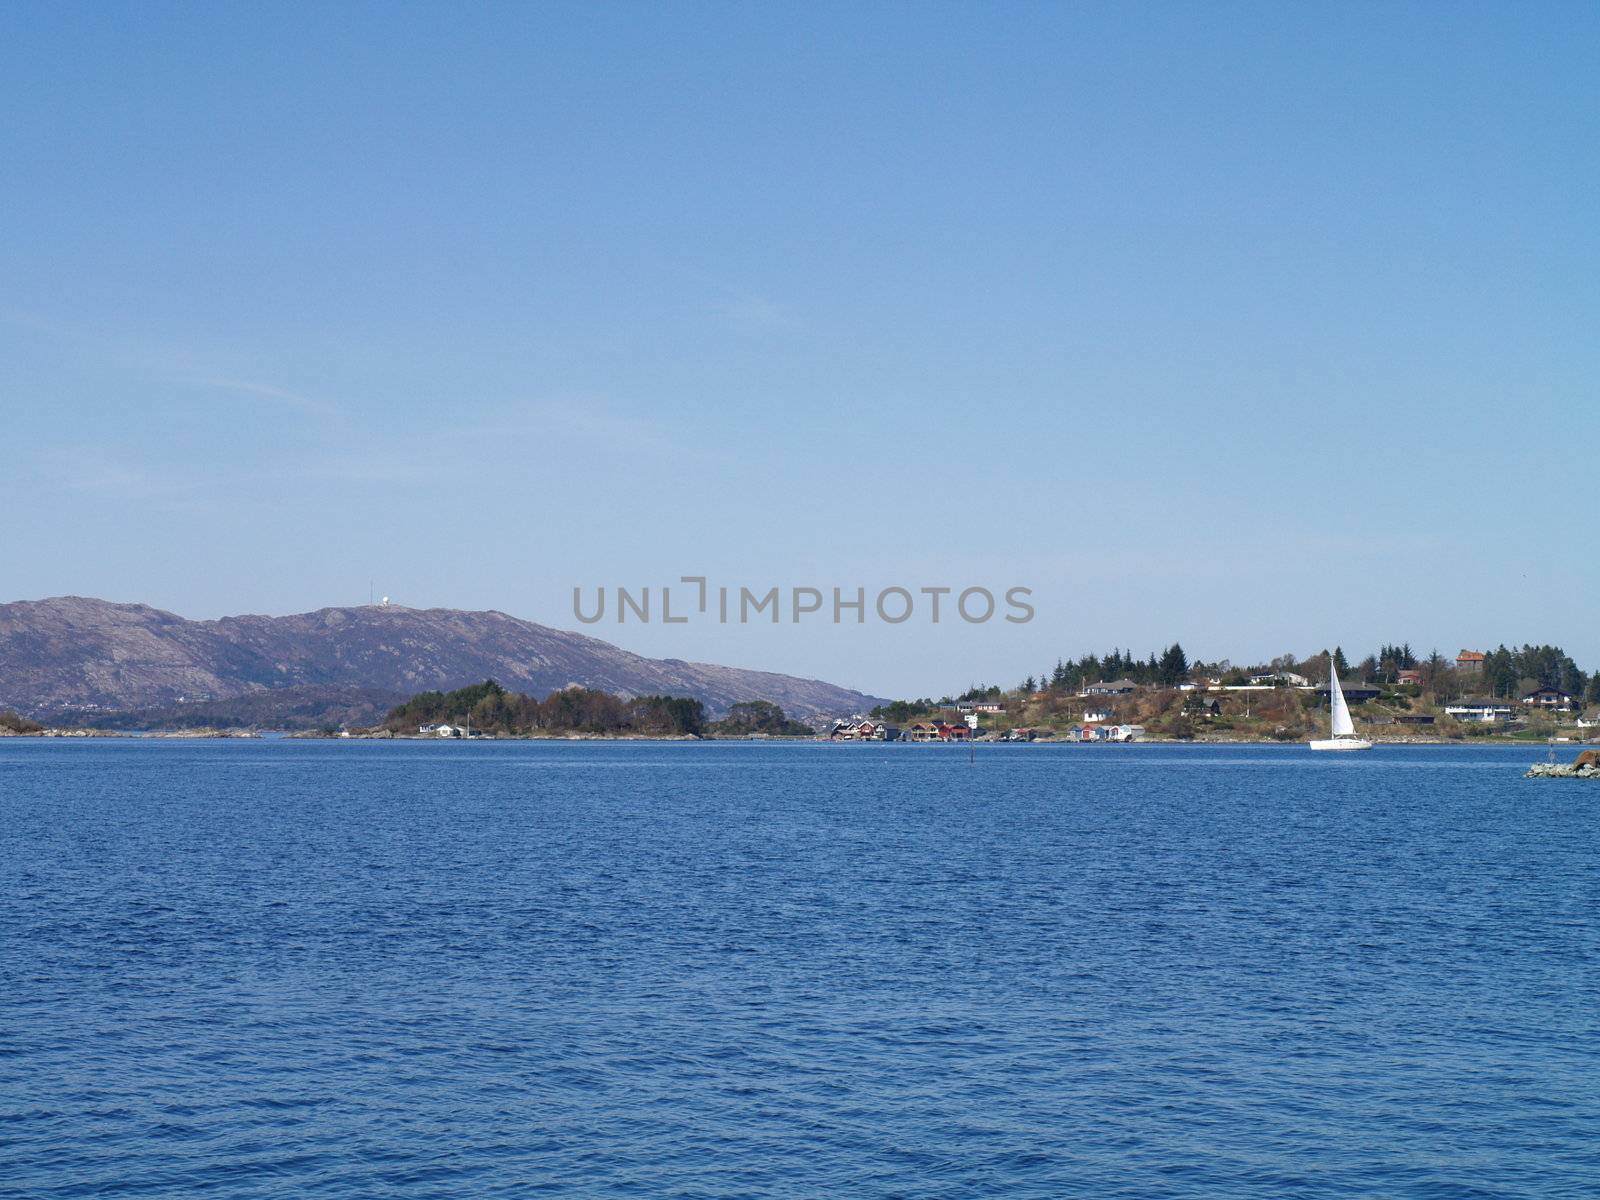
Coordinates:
[1263,327]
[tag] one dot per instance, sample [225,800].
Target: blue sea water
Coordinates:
[355,969]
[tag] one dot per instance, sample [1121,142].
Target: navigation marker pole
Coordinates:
[972,750]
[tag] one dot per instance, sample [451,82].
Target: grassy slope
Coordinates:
[1281,714]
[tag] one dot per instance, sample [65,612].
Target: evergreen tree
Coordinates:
[1500,672]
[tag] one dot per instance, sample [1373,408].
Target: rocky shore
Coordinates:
[58,733]
[1563,771]
[113,733]
[204,731]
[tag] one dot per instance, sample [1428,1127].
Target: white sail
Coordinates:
[1343,726]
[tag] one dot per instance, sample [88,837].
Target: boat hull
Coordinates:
[1340,744]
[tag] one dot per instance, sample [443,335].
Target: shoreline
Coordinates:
[276,735]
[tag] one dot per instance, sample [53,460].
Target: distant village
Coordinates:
[1535,692]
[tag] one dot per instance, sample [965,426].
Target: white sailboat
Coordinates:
[1344,729]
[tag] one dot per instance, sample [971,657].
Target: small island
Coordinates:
[487,710]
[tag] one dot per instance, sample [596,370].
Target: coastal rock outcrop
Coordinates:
[1584,768]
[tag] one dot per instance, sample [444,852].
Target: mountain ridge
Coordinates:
[81,653]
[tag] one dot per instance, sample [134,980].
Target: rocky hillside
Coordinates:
[69,653]
[289,708]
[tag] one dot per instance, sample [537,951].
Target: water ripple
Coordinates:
[789,971]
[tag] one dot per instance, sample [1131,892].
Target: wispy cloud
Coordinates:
[98,472]
[34,323]
[114,476]
[398,466]
[182,367]
[576,417]
[568,430]
[259,391]
[759,314]
[587,419]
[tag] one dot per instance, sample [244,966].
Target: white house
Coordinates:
[863,730]
[1094,715]
[1487,711]
[980,706]
[1271,678]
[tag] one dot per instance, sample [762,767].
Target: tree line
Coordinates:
[1505,673]
[489,708]
[1169,668]
[13,723]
